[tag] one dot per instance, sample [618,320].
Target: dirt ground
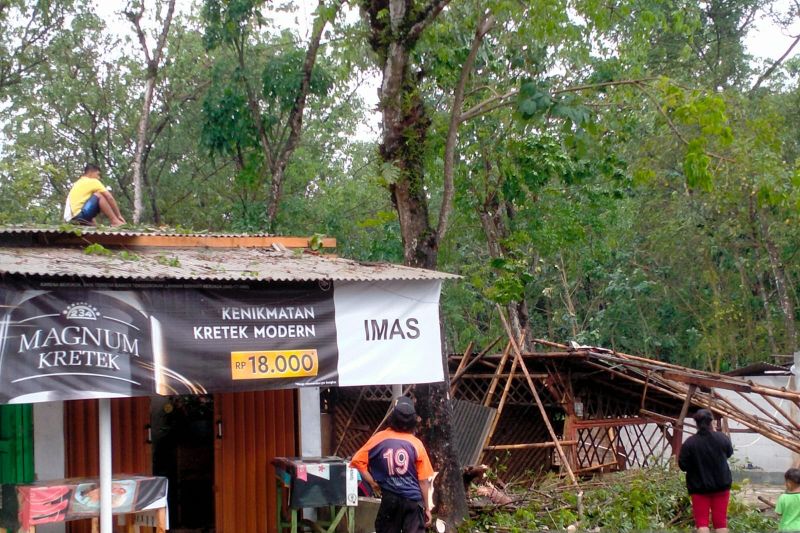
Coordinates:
[751,491]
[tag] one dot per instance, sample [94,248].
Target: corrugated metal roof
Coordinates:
[81,236]
[103,231]
[759,369]
[474,421]
[199,264]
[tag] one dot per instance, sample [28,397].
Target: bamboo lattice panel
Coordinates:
[622,447]
[356,415]
[520,425]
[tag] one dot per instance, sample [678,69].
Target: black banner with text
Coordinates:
[65,342]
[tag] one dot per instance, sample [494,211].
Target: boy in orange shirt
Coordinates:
[395,464]
[88,197]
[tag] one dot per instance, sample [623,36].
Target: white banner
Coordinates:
[388,332]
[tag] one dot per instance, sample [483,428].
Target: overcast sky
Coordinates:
[765,41]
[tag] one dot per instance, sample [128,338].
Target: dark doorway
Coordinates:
[183,451]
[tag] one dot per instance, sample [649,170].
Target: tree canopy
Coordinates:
[619,173]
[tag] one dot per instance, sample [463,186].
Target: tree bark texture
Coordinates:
[141,139]
[405,122]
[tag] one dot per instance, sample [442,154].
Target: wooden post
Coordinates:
[542,410]
[487,401]
[677,433]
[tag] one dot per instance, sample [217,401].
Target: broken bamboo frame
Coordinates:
[477,358]
[464,361]
[496,419]
[495,379]
[532,445]
[545,417]
[738,415]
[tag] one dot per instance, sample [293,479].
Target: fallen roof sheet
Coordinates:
[761,368]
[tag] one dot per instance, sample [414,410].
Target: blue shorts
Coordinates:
[89,210]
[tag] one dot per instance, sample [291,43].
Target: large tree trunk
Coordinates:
[495,230]
[405,130]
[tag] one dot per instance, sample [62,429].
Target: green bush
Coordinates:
[646,500]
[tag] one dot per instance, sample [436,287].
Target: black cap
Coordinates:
[404,411]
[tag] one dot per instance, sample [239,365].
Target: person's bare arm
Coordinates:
[376,489]
[426,486]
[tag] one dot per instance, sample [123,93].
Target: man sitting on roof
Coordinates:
[88,197]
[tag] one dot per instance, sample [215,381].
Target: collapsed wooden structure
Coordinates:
[583,409]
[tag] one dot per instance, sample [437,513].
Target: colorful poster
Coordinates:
[62,500]
[60,341]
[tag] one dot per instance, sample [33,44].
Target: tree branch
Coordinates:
[494,102]
[162,38]
[295,122]
[672,125]
[485,24]
[136,20]
[426,16]
[761,79]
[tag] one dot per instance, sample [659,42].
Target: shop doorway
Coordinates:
[182,429]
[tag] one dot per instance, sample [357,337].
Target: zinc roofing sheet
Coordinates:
[101,231]
[200,264]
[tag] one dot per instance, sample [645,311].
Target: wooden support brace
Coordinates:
[459,370]
[531,445]
[677,436]
[542,410]
[487,401]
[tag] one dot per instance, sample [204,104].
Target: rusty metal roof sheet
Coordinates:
[94,256]
[200,264]
[109,231]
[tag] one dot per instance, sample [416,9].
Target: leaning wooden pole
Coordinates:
[500,405]
[553,435]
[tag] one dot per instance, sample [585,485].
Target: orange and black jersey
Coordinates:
[397,461]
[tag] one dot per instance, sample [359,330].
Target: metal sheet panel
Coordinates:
[16,443]
[471,423]
[254,428]
[198,264]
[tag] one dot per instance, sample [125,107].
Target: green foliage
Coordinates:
[282,75]
[228,21]
[620,181]
[650,499]
[125,255]
[97,249]
[170,261]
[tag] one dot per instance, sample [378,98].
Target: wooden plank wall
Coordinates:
[256,427]
[131,452]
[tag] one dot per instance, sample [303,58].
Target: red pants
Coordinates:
[717,503]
